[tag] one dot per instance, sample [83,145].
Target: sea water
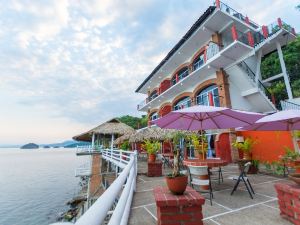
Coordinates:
[36,184]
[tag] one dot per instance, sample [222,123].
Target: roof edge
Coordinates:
[189,33]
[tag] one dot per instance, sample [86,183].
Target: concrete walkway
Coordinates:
[226,209]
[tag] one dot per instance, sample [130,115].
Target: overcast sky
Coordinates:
[66,66]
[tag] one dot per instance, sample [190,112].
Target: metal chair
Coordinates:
[220,174]
[203,171]
[243,177]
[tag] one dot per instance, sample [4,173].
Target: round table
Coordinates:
[205,162]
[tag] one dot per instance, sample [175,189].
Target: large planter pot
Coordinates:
[177,185]
[295,177]
[202,156]
[151,158]
[247,156]
[297,165]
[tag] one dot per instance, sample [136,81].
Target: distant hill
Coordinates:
[30,146]
[64,144]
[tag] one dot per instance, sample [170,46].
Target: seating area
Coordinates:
[238,208]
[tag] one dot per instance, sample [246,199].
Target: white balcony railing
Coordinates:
[125,184]
[87,149]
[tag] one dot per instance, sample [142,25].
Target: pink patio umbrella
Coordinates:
[283,120]
[206,117]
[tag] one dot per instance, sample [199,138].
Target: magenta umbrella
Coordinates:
[283,120]
[207,117]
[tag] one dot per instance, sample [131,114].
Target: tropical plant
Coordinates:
[255,163]
[125,145]
[151,147]
[290,155]
[176,138]
[297,134]
[245,146]
[199,142]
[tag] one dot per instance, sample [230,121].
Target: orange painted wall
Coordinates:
[222,147]
[270,144]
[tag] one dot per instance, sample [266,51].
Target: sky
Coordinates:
[69,65]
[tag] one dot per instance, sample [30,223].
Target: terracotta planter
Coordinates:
[295,177]
[151,158]
[247,155]
[202,156]
[177,185]
[297,165]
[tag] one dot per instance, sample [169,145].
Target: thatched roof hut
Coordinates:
[113,126]
[123,138]
[152,133]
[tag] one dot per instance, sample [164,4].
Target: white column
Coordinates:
[283,68]
[93,141]
[112,141]
[258,73]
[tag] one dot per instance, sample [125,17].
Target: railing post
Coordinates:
[279,21]
[250,39]
[265,31]
[234,33]
[218,4]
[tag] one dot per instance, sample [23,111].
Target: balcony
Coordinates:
[232,12]
[216,58]
[88,150]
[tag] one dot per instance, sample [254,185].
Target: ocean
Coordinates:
[36,184]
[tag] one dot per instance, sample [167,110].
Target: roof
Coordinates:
[190,32]
[113,126]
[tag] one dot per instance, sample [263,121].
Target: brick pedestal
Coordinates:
[155,169]
[289,201]
[183,209]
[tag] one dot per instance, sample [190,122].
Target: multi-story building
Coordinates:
[217,62]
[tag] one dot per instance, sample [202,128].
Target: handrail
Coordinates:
[99,211]
[286,105]
[251,75]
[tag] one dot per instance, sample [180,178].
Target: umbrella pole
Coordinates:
[202,146]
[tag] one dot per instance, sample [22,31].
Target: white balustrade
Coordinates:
[98,212]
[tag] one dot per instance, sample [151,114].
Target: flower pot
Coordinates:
[297,165]
[151,158]
[202,156]
[247,156]
[177,185]
[295,177]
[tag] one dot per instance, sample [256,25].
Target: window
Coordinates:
[154,116]
[153,95]
[183,103]
[203,96]
[184,72]
[198,62]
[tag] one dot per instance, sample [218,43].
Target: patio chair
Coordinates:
[220,174]
[195,172]
[243,177]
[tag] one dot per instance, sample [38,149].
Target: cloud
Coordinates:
[79,62]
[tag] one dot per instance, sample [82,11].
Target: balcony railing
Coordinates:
[233,12]
[212,50]
[182,105]
[286,105]
[88,149]
[122,189]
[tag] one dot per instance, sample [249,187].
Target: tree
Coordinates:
[134,122]
[271,66]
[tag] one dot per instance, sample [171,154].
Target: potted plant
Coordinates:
[152,148]
[177,181]
[245,146]
[297,136]
[200,145]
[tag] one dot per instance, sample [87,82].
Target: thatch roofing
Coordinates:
[123,138]
[113,126]
[152,133]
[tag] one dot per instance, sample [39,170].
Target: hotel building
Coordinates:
[218,63]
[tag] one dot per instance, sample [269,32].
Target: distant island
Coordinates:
[30,146]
